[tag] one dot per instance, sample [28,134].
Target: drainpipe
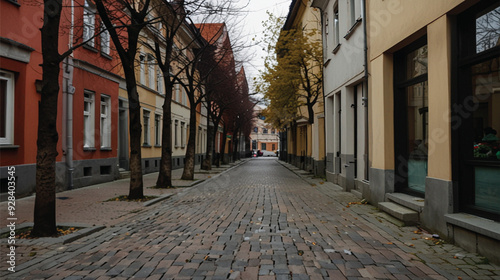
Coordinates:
[69,90]
[365,98]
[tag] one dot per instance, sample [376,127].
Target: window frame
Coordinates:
[146,135]
[157,129]
[401,84]
[9,77]
[105,122]
[105,40]
[463,161]
[89,17]
[89,120]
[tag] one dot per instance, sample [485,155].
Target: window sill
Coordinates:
[157,146]
[146,146]
[90,48]
[89,149]
[14,2]
[106,56]
[327,62]
[106,149]
[354,27]
[336,49]
[474,223]
[8,146]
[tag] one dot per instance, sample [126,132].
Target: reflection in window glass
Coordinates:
[486,97]
[487,188]
[416,63]
[417,135]
[488,30]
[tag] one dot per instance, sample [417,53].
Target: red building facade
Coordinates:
[87,119]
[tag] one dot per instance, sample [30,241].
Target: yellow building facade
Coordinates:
[303,143]
[434,103]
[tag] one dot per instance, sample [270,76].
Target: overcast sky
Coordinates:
[251,25]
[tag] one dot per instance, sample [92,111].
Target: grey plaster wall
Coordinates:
[329,162]
[25,178]
[438,202]
[381,182]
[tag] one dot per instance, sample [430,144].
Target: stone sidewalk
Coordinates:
[89,205]
[256,221]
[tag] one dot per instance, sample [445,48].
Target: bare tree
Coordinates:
[124,21]
[45,201]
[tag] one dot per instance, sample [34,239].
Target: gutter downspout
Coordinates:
[69,89]
[365,98]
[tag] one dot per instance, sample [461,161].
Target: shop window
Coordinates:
[6,108]
[476,111]
[411,117]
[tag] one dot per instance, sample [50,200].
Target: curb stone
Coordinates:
[65,239]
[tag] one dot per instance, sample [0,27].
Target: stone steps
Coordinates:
[406,215]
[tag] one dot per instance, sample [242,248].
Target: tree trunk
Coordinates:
[45,199]
[188,173]
[136,185]
[165,176]
[235,145]
[207,162]
[223,148]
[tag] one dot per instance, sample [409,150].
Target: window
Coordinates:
[256,129]
[411,121]
[336,38]
[159,82]
[157,130]
[176,134]
[151,71]
[476,110]
[274,147]
[184,97]
[142,77]
[183,134]
[263,146]
[355,11]
[177,92]
[105,122]
[105,40]
[273,131]
[88,23]
[145,117]
[88,119]
[6,108]
[264,131]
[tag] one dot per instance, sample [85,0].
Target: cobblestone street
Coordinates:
[258,220]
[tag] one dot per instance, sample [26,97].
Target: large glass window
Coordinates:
[6,108]
[411,117]
[476,111]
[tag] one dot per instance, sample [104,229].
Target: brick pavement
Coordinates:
[257,221]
